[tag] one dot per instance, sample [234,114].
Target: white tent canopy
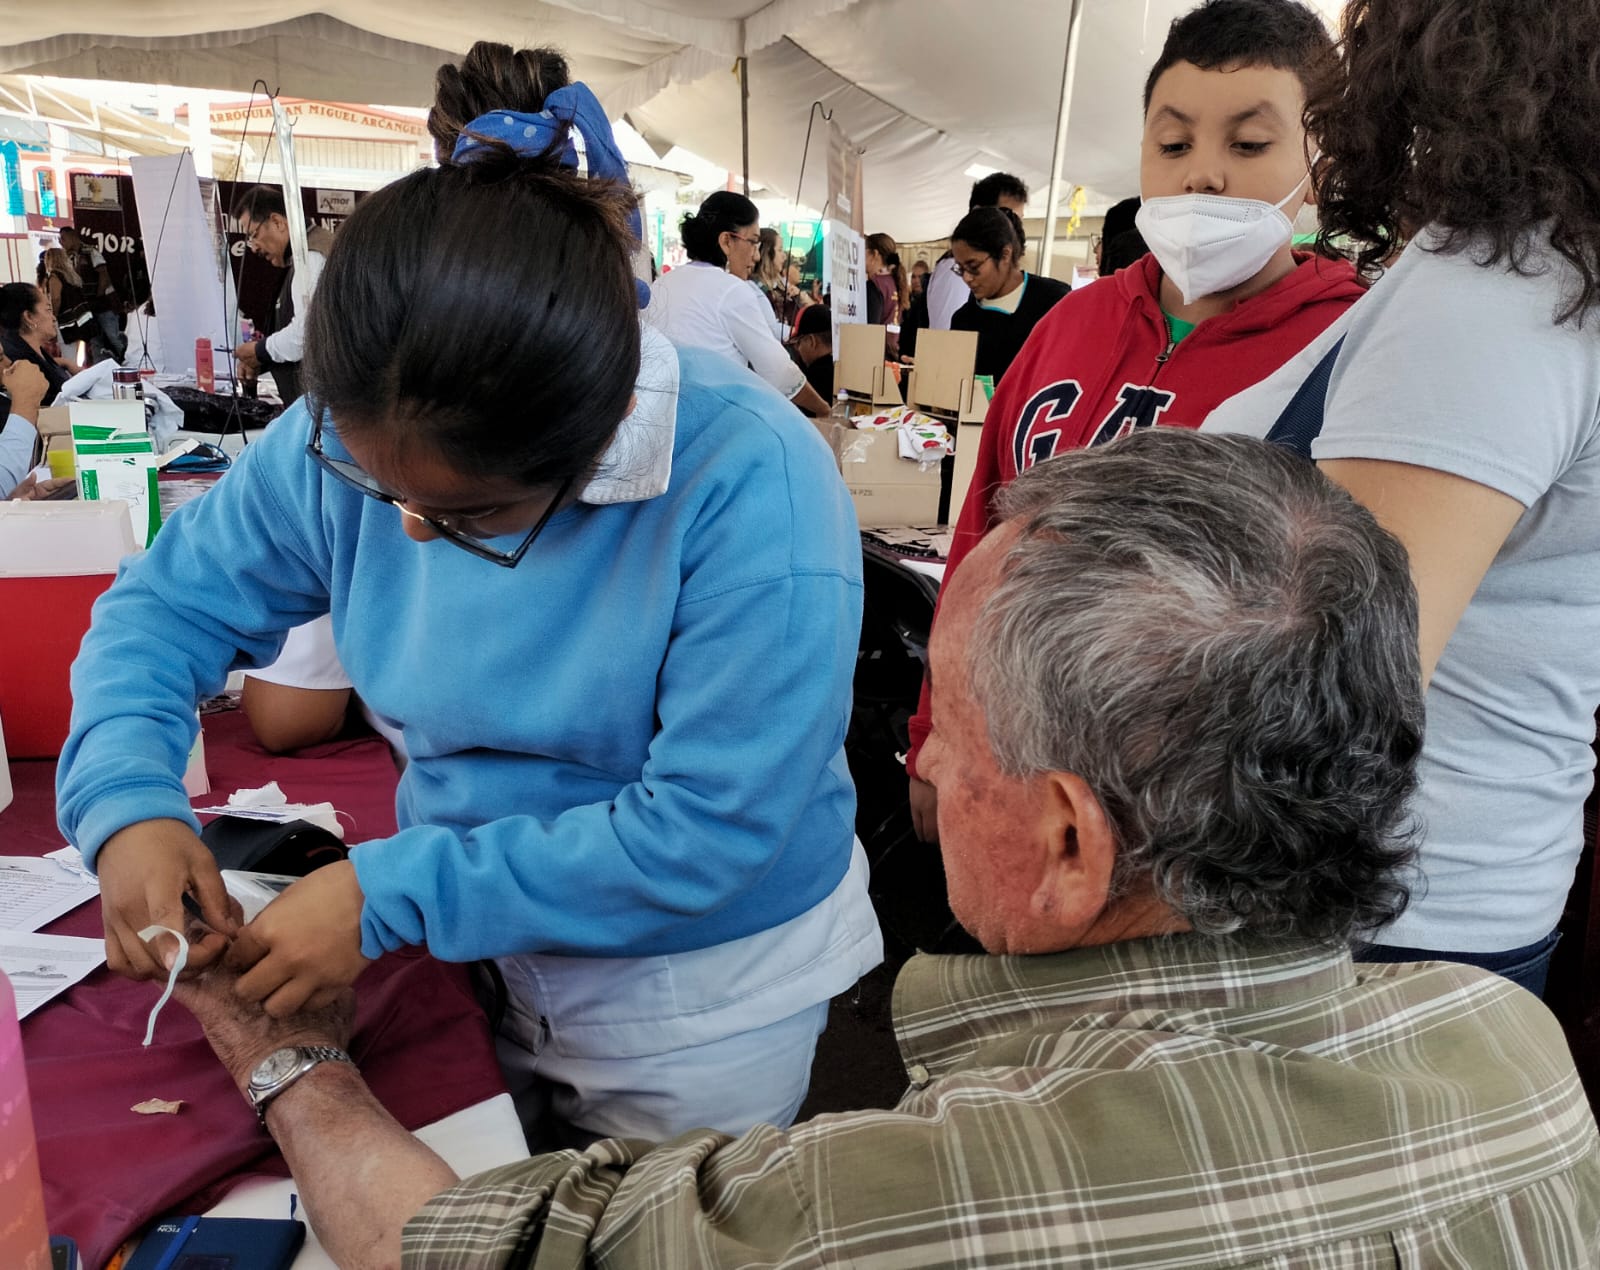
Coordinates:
[928,88]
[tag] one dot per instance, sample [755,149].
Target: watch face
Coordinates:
[274,1067]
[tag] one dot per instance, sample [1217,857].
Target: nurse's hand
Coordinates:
[144,871]
[304,948]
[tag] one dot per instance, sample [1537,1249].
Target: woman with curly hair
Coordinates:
[1460,401]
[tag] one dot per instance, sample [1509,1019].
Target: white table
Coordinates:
[484,1136]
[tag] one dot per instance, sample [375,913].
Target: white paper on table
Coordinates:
[34,892]
[71,859]
[269,803]
[44,966]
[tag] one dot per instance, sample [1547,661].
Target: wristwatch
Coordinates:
[281,1068]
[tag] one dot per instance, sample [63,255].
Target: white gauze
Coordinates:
[178,963]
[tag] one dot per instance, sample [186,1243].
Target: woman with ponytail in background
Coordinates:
[887,277]
[710,304]
[607,591]
[1007,302]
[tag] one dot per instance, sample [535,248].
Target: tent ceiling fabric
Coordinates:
[911,81]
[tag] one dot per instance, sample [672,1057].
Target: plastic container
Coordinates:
[125,383]
[24,1236]
[205,373]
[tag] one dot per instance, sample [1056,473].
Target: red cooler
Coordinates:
[55,560]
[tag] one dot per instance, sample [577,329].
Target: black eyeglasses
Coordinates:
[358,479]
[973,268]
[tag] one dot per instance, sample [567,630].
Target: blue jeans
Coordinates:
[111,332]
[1526,967]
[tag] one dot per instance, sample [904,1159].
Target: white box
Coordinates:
[5,772]
[63,539]
[116,459]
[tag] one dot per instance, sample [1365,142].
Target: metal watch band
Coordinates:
[310,1057]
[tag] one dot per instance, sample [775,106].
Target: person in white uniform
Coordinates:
[709,303]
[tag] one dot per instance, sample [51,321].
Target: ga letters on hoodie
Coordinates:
[1101,364]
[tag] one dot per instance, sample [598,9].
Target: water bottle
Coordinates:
[840,413]
[24,1237]
[204,369]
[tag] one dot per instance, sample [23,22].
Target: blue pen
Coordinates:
[176,1246]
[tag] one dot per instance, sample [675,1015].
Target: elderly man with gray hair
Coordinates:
[1176,709]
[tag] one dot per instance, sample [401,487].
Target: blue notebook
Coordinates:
[219,1243]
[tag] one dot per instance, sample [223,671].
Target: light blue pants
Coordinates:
[755,1077]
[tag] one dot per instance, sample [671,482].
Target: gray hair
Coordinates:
[1222,644]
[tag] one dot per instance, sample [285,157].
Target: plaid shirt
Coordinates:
[1172,1102]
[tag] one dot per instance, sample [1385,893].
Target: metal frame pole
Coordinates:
[744,119]
[1069,73]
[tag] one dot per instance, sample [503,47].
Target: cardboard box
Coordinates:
[885,488]
[55,560]
[55,437]
[967,435]
[858,365]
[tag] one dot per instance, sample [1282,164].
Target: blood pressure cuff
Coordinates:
[293,848]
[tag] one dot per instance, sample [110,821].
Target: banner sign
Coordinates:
[847,275]
[96,193]
[11,166]
[844,179]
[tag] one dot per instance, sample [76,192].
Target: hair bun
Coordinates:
[491,77]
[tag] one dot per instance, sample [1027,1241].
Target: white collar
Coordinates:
[638,463]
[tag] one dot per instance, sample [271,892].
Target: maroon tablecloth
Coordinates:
[421,1040]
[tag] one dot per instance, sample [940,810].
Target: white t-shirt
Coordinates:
[703,306]
[309,660]
[289,344]
[947,292]
[1458,368]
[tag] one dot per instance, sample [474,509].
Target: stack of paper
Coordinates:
[34,893]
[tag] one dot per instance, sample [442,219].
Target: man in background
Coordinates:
[265,225]
[813,345]
[104,302]
[1119,220]
[947,289]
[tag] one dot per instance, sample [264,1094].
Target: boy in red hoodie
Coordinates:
[1221,302]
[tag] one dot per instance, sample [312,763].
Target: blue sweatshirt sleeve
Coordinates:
[224,580]
[745,774]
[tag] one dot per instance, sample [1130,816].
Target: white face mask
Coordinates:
[1208,243]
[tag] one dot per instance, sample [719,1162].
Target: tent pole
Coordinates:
[744,119]
[1069,72]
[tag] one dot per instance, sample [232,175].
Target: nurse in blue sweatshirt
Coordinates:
[608,591]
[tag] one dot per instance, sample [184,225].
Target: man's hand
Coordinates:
[144,871]
[246,361]
[304,948]
[26,384]
[924,810]
[242,1033]
[33,488]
